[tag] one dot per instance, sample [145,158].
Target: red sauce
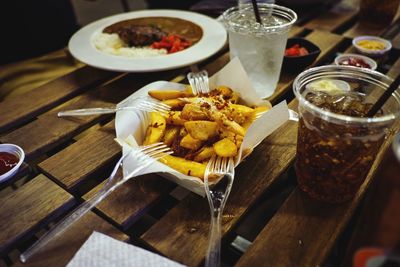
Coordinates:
[357,62]
[7,162]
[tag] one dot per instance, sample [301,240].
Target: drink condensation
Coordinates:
[259,47]
[261,55]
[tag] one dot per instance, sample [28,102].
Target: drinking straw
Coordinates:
[256,11]
[385,96]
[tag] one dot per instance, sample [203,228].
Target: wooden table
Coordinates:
[267,221]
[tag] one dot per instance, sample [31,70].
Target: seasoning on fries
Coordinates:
[199,127]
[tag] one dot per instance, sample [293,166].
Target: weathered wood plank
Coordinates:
[26,209]
[304,227]
[78,161]
[327,42]
[16,110]
[394,70]
[360,29]
[61,249]
[49,131]
[331,20]
[132,199]
[182,234]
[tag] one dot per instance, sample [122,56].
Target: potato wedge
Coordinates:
[234,127]
[202,130]
[168,94]
[204,154]
[193,112]
[225,91]
[170,134]
[175,104]
[174,118]
[190,143]
[156,128]
[188,167]
[225,148]
[234,137]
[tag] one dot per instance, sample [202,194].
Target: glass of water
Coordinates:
[259,47]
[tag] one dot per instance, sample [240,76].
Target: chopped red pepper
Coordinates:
[172,43]
[295,51]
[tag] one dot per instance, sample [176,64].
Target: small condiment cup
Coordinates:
[372,52]
[343,57]
[17,151]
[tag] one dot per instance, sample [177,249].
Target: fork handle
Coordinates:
[74,216]
[86,112]
[213,257]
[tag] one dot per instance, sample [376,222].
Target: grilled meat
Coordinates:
[134,35]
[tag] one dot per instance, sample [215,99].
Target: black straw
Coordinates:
[256,11]
[385,96]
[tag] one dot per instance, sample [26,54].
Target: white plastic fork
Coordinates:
[143,105]
[199,82]
[217,196]
[143,156]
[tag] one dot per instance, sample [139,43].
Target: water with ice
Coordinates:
[260,49]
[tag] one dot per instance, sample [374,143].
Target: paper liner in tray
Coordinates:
[131,127]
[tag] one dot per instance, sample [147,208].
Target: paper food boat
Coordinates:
[131,127]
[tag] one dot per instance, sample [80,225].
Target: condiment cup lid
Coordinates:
[17,151]
[372,52]
[372,63]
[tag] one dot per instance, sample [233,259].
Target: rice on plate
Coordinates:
[113,45]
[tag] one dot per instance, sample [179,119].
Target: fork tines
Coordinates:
[156,151]
[219,166]
[199,82]
[152,105]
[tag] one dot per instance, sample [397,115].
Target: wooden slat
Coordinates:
[71,166]
[16,110]
[182,234]
[304,230]
[327,42]
[49,131]
[360,29]
[394,70]
[331,21]
[26,209]
[61,249]
[132,199]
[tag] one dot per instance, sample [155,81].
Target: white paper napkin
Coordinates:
[102,250]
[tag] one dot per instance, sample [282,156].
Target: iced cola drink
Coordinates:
[336,143]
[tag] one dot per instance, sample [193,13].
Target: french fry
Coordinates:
[190,143]
[168,94]
[205,153]
[193,112]
[174,118]
[225,148]
[234,137]
[202,130]
[201,126]
[188,167]
[175,104]
[156,128]
[170,134]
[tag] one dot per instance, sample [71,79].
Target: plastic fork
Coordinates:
[144,105]
[199,82]
[217,195]
[143,156]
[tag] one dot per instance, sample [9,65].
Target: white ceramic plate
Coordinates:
[82,48]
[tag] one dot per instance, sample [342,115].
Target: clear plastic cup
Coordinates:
[336,145]
[259,47]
